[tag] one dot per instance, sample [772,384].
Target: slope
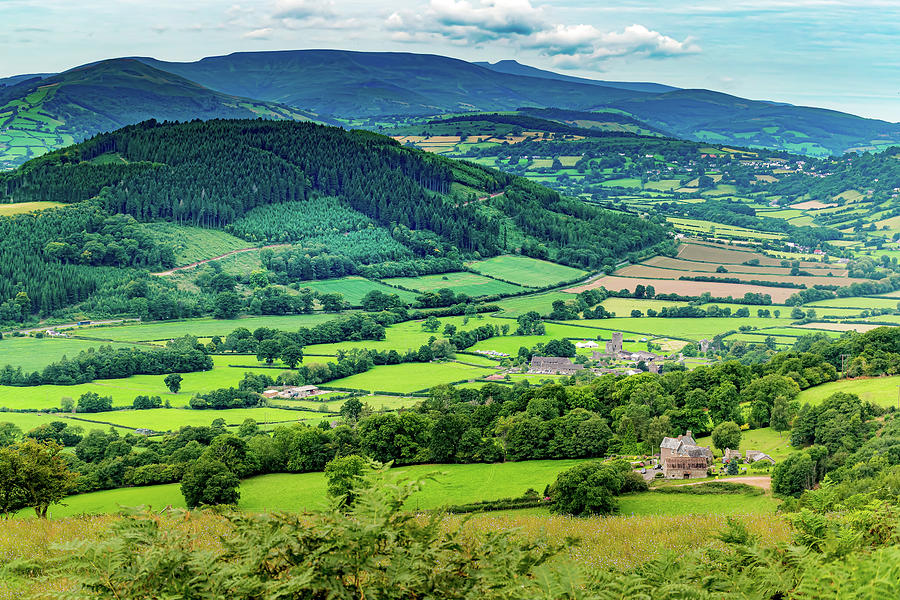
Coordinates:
[354,84]
[512,67]
[37,115]
[715,117]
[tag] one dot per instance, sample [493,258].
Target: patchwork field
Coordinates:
[525,271]
[123,391]
[410,377]
[33,354]
[835,270]
[461,282]
[353,289]
[166,330]
[686,288]
[643,271]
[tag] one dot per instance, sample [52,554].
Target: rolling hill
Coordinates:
[41,114]
[366,84]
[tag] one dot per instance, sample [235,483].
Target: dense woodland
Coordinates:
[353,203]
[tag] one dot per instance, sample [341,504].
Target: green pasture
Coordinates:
[656,503]
[542,303]
[408,335]
[461,282]
[410,377]
[354,288]
[193,244]
[454,484]
[525,271]
[33,354]
[28,421]
[205,327]
[883,391]
[623,306]
[856,302]
[172,419]
[25,207]
[123,391]
[777,445]
[376,402]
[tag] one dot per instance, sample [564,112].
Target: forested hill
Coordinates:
[357,197]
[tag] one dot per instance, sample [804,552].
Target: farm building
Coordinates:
[587,344]
[685,467]
[301,391]
[550,365]
[756,456]
[674,451]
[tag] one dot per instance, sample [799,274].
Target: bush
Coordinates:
[590,488]
[209,482]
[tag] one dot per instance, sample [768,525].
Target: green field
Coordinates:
[456,484]
[883,391]
[408,335]
[166,330]
[542,303]
[354,288]
[856,302]
[33,354]
[655,503]
[777,445]
[410,377]
[623,306]
[24,207]
[193,244]
[123,391]
[172,419]
[461,282]
[529,272]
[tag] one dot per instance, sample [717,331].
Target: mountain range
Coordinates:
[42,112]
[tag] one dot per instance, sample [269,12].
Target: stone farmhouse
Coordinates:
[552,365]
[682,458]
[302,391]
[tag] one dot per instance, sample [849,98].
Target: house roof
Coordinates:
[671,443]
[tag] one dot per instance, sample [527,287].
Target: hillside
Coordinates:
[370,84]
[364,84]
[350,202]
[513,67]
[38,115]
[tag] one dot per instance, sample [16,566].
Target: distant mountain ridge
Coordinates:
[40,112]
[512,67]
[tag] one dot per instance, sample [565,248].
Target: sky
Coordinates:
[840,54]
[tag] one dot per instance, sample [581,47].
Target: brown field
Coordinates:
[728,255]
[812,205]
[766,178]
[648,271]
[687,288]
[837,270]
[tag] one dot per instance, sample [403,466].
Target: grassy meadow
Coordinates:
[883,391]
[525,271]
[461,282]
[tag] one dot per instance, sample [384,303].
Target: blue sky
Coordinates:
[840,54]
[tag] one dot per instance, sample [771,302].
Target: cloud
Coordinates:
[520,23]
[258,34]
[302,9]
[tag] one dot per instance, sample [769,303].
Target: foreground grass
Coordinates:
[619,542]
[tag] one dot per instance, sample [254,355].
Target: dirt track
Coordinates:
[221,256]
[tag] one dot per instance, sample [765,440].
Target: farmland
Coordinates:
[354,288]
[526,271]
[883,391]
[471,284]
[25,207]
